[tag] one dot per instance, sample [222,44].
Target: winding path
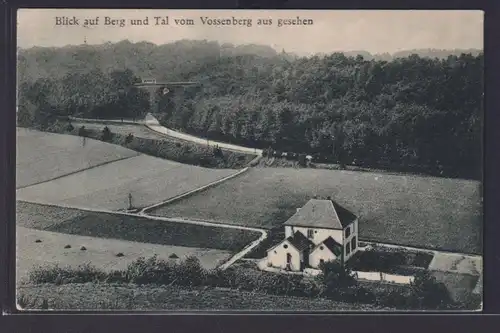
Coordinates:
[154,125]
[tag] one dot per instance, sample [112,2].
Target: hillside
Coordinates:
[164,62]
[409,113]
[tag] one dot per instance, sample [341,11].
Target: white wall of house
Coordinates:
[347,241]
[318,234]
[321,253]
[277,257]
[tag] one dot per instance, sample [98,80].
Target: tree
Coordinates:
[334,277]
[427,293]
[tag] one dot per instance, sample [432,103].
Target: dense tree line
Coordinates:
[410,113]
[93,95]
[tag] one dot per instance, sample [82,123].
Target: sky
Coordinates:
[375,31]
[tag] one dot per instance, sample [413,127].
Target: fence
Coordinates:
[384,277]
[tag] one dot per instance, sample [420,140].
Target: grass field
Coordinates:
[124,297]
[460,286]
[148,179]
[416,211]
[130,228]
[43,156]
[100,252]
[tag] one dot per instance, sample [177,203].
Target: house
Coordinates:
[320,231]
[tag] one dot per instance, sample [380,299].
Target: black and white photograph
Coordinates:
[249,160]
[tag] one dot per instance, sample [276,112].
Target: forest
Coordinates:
[412,113]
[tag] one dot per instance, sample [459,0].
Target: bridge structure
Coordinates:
[156,89]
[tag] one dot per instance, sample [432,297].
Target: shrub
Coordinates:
[394,298]
[58,275]
[334,275]
[106,134]
[427,293]
[82,131]
[129,138]
[217,152]
[150,271]
[302,160]
[70,127]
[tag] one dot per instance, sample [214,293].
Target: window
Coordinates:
[353,243]
[321,247]
[347,232]
[348,249]
[310,233]
[285,246]
[354,227]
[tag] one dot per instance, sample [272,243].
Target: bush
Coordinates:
[106,134]
[302,160]
[334,276]
[70,127]
[395,299]
[82,131]
[129,138]
[217,152]
[427,293]
[55,274]
[189,272]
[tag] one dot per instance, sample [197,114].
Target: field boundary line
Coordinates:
[81,170]
[434,251]
[224,266]
[144,211]
[107,121]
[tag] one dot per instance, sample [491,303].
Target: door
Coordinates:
[288,261]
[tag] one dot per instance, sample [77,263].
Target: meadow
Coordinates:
[41,248]
[427,212]
[147,179]
[44,156]
[130,228]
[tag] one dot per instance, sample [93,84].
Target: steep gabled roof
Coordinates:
[299,241]
[318,213]
[332,245]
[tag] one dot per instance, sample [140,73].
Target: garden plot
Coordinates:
[44,156]
[409,210]
[147,180]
